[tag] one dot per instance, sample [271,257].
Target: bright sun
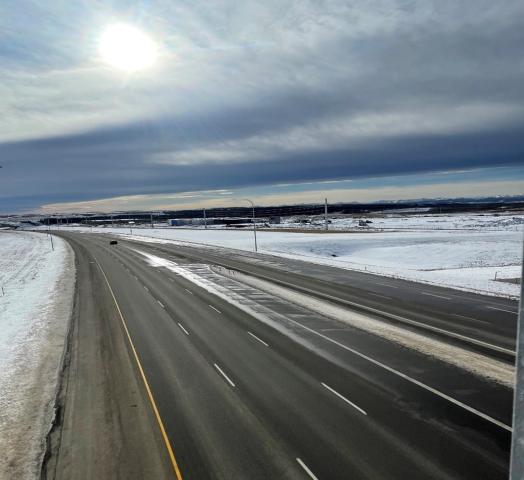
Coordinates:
[127,48]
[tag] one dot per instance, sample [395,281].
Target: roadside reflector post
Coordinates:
[516,471]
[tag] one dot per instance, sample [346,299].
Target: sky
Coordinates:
[279,101]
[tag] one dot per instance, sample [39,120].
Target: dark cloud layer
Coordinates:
[60,172]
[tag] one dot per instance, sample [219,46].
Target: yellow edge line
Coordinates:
[146,383]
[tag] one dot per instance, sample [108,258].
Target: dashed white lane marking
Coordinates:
[386,285]
[215,309]
[146,289]
[435,295]
[501,310]
[224,375]
[256,338]
[136,278]
[343,398]
[380,296]
[161,304]
[188,291]
[408,378]
[306,468]
[170,279]
[183,329]
[470,318]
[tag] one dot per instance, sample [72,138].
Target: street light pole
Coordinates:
[254,222]
[325,215]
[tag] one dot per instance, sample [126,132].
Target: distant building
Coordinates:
[180,222]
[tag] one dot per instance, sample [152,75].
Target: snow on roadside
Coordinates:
[464,260]
[34,317]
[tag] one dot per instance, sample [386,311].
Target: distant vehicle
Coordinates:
[113,242]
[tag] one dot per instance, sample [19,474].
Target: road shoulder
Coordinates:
[104,426]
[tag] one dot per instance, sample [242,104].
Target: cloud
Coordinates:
[314,195]
[255,93]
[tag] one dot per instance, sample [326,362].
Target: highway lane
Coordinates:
[483,318]
[241,400]
[486,396]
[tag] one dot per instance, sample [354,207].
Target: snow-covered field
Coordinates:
[397,221]
[35,308]
[463,259]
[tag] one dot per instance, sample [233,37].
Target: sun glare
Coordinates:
[127,48]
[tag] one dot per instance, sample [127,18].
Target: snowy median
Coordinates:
[35,306]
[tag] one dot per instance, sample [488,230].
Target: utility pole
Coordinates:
[151,220]
[205,219]
[325,215]
[112,223]
[516,469]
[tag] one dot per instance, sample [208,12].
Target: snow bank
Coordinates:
[35,308]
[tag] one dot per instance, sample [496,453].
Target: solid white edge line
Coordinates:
[501,309]
[224,375]
[183,329]
[161,304]
[409,379]
[306,468]
[435,295]
[188,291]
[343,398]
[256,338]
[145,288]
[215,309]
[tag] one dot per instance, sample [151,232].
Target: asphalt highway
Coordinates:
[489,320]
[236,398]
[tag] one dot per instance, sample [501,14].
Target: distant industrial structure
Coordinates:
[180,222]
[272,215]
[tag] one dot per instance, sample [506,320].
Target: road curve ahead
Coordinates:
[251,387]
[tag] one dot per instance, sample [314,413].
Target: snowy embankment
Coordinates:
[35,308]
[466,260]
[396,221]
